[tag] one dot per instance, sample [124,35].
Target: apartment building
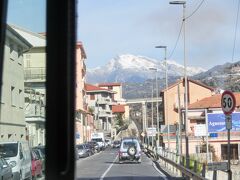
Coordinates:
[12,122]
[208,112]
[34,62]
[173,102]
[100,102]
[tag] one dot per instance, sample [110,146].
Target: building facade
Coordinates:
[173,102]
[100,102]
[208,112]
[12,122]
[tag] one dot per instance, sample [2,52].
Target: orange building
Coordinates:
[172,97]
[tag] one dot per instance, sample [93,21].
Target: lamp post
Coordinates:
[166,84]
[154,69]
[183,3]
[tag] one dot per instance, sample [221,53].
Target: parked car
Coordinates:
[41,157]
[95,145]
[108,142]
[116,144]
[18,156]
[36,165]
[5,170]
[83,151]
[90,148]
[130,150]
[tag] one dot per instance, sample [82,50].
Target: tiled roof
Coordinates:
[109,84]
[212,102]
[118,109]
[92,88]
[189,80]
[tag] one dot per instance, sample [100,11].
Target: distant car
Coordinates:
[108,142]
[5,170]
[41,156]
[90,147]
[130,150]
[83,151]
[36,165]
[95,146]
[116,144]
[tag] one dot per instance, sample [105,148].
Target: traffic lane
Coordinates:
[134,171]
[93,167]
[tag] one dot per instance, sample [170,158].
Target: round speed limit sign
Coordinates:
[228,102]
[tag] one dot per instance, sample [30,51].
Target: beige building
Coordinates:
[169,111]
[117,88]
[12,122]
[34,85]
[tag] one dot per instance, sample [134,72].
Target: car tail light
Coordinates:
[119,153]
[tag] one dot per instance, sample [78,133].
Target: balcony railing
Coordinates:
[34,74]
[104,101]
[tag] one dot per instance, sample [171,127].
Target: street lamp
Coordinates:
[183,3]
[166,78]
[153,69]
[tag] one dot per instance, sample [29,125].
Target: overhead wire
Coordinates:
[176,43]
[234,43]
[198,7]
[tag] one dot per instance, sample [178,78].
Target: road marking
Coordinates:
[160,172]
[108,169]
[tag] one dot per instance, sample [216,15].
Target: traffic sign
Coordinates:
[228,120]
[228,102]
[217,166]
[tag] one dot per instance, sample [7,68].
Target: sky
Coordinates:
[110,28]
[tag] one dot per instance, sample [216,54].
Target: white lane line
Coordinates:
[160,172]
[108,169]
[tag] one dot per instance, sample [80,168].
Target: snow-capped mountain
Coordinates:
[130,68]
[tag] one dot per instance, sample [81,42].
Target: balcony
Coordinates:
[105,113]
[104,101]
[35,74]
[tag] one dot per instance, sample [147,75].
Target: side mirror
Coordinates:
[21,155]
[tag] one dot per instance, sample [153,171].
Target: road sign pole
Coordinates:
[229,155]
[228,103]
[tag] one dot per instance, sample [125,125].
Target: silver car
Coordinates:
[130,150]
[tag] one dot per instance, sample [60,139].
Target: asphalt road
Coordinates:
[105,166]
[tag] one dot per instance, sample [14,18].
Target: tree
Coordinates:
[119,120]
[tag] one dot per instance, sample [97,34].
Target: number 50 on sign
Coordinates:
[228,102]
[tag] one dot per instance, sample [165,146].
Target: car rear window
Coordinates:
[128,144]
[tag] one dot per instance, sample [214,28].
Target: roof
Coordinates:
[118,109]
[189,80]
[212,102]
[35,39]
[92,88]
[21,39]
[109,84]
[83,53]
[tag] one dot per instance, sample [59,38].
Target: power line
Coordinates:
[235,33]
[200,4]
[176,41]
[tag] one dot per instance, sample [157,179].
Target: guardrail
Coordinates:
[179,162]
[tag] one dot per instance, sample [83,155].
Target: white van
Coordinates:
[18,156]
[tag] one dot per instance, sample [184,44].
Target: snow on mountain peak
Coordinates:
[129,67]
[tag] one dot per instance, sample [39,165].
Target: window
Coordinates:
[13,96]
[92,96]
[20,98]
